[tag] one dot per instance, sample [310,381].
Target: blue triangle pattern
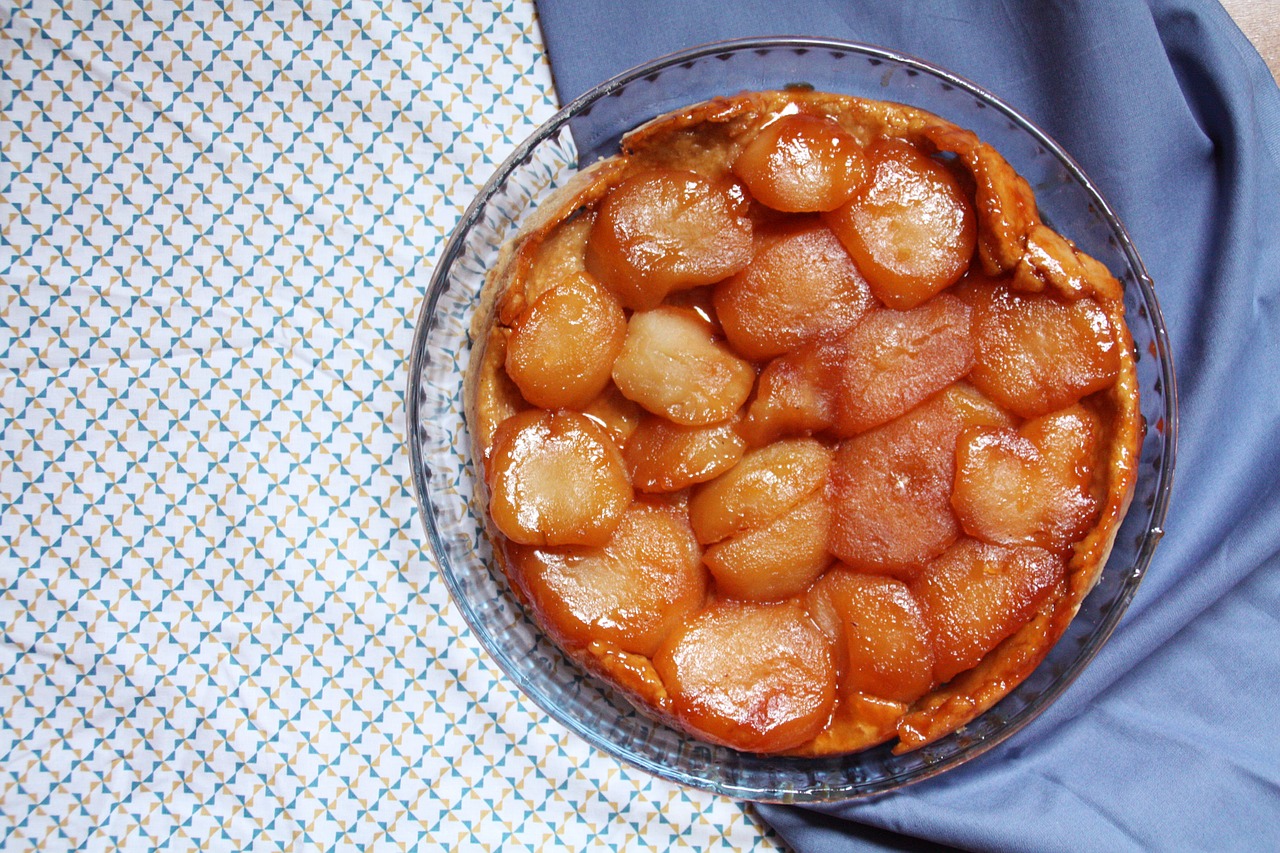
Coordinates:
[222,627]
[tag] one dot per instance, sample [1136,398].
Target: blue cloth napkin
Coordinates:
[1170,739]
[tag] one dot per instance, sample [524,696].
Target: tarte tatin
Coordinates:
[798,425]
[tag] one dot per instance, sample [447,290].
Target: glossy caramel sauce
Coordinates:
[799,426]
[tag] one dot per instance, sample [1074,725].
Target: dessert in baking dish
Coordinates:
[797,424]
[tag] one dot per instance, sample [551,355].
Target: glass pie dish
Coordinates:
[445,474]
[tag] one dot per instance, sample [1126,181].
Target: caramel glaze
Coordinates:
[1012,242]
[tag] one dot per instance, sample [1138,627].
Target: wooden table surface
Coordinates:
[1260,21]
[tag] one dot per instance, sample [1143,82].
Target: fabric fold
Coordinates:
[1167,740]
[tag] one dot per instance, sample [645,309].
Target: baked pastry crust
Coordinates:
[1012,242]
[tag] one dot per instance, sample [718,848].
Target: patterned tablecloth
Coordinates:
[221,625]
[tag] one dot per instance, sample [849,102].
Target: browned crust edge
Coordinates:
[1012,239]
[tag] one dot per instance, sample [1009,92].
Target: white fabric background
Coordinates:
[219,622]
